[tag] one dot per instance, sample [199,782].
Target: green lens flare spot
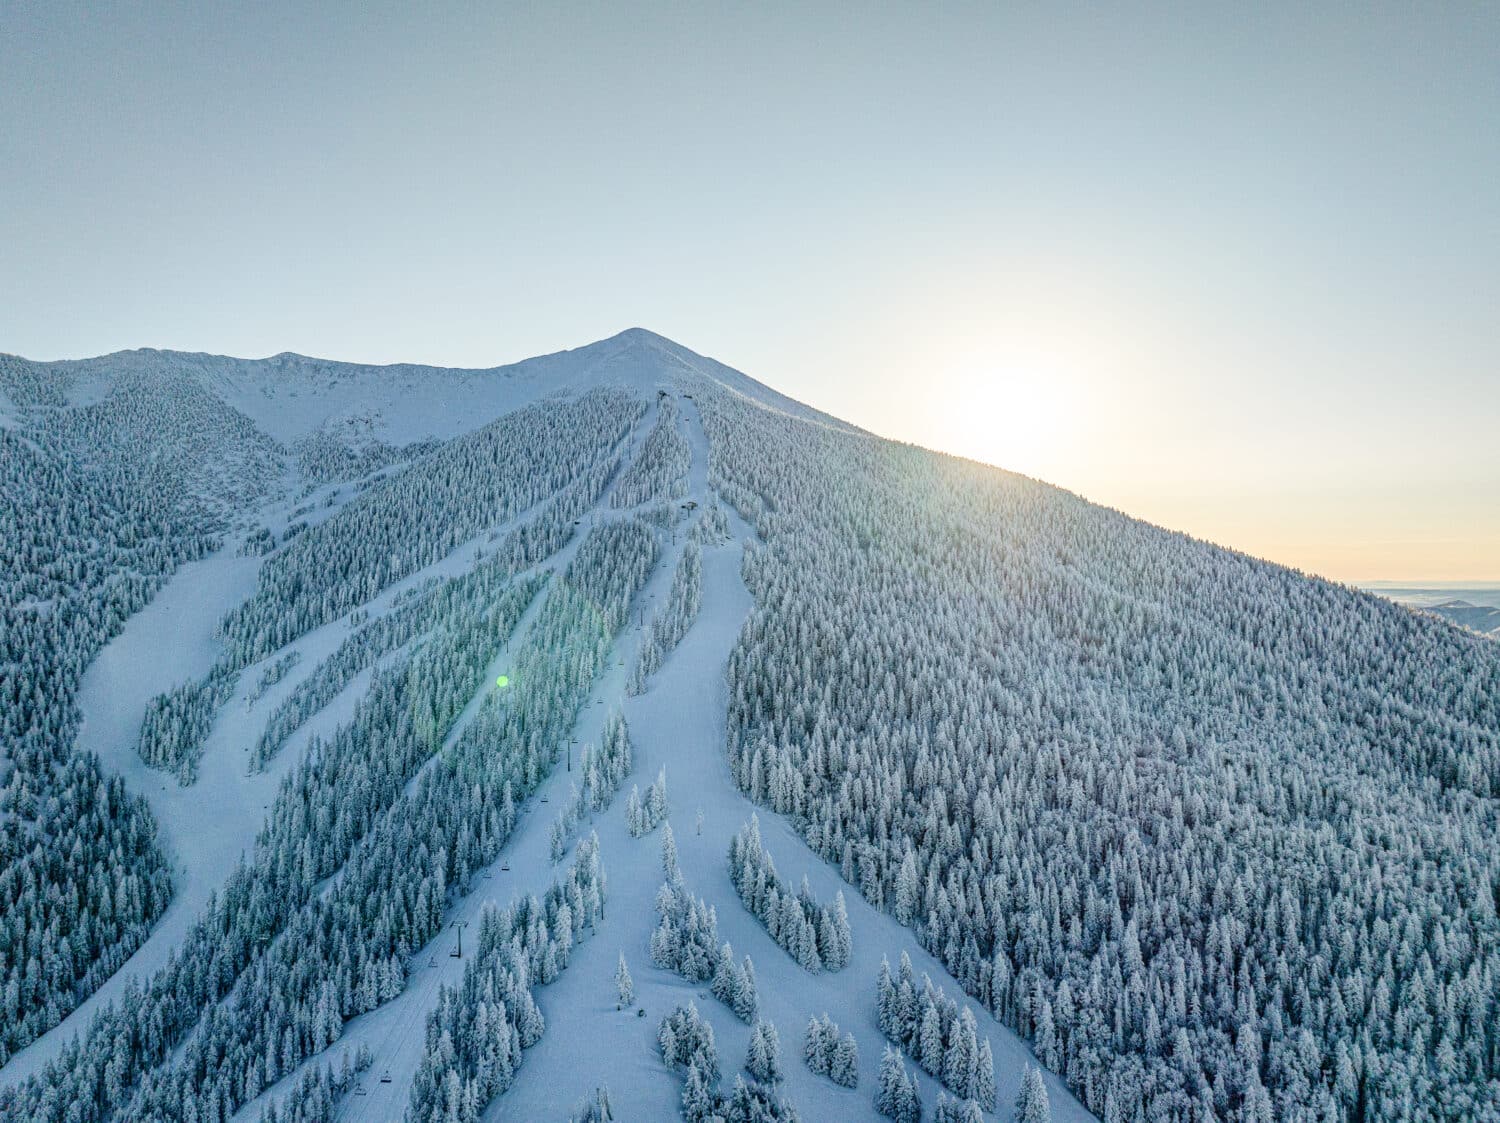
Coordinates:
[503,680]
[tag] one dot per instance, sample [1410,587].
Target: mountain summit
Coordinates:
[610,731]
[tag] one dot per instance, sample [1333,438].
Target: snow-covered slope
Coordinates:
[1108,789]
[292,396]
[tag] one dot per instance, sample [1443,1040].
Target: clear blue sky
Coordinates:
[1234,270]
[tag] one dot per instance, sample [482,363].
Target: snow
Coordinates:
[205,827]
[167,642]
[292,396]
[678,723]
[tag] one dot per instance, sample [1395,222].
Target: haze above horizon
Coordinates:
[1232,272]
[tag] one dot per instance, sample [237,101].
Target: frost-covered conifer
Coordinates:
[669,854]
[1031,1101]
[816,936]
[624,984]
[764,1059]
[896,1096]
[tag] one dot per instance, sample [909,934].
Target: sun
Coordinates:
[1015,417]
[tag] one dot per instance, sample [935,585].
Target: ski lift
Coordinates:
[385,1077]
[359,1090]
[505,867]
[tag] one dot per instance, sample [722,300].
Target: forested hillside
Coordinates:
[727,731]
[1220,839]
[102,503]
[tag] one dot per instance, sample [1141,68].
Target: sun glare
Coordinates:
[1010,416]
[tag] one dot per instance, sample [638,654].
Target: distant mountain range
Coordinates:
[1476,608]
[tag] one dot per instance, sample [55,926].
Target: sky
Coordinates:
[1234,269]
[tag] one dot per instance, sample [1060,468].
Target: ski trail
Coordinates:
[169,641]
[679,723]
[395,1031]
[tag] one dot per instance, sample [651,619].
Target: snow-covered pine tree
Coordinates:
[1031,1101]
[844,1068]
[669,854]
[816,936]
[624,984]
[951,1110]
[764,1058]
[896,1096]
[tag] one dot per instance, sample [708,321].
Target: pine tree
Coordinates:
[885,991]
[908,890]
[815,1049]
[656,799]
[984,1079]
[844,1069]
[634,820]
[764,1059]
[747,1000]
[624,984]
[669,854]
[896,1097]
[930,1040]
[727,978]
[1031,1101]
[697,1096]
[950,1110]
[595,1108]
[666,1039]
[959,1069]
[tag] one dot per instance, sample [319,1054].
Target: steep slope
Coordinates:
[102,502]
[671,723]
[1188,820]
[1218,840]
[635,361]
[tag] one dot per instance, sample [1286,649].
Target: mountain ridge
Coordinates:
[1113,786]
[491,390]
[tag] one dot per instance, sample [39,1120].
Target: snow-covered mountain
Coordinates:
[758,767]
[1476,608]
[1481,618]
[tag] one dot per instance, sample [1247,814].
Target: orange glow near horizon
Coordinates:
[1286,463]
